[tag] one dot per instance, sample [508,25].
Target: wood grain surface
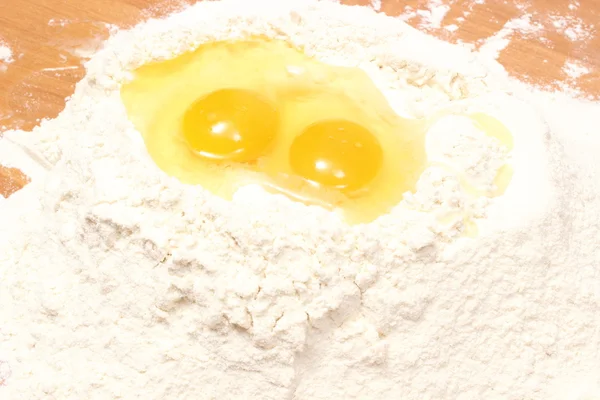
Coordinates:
[51,38]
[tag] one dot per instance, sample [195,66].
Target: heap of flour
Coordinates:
[119,282]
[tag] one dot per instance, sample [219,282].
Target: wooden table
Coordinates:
[49,38]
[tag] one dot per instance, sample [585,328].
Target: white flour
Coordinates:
[522,26]
[6,56]
[118,282]
[572,28]
[434,14]
[376,4]
[575,69]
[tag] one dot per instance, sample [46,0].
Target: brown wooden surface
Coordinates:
[48,37]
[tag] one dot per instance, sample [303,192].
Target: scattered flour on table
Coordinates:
[434,14]
[573,28]
[522,26]
[6,56]
[431,14]
[531,23]
[574,69]
[142,287]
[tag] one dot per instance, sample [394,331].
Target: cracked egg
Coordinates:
[260,111]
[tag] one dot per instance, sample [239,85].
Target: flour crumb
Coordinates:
[574,5]
[572,28]
[575,69]
[524,26]
[433,15]
[6,55]
[376,4]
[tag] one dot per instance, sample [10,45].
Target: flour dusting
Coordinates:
[143,287]
[575,69]
[572,28]
[6,56]
[434,14]
[431,14]
[522,26]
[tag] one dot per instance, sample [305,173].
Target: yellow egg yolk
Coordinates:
[231,125]
[338,154]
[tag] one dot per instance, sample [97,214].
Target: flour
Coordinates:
[6,56]
[142,287]
[522,26]
[376,4]
[432,14]
[435,13]
[572,28]
[575,69]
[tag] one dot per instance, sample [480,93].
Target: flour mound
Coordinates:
[118,281]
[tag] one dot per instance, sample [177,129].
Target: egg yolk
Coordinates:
[338,154]
[230,125]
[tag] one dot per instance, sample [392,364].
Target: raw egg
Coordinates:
[260,111]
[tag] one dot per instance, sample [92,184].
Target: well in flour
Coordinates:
[257,111]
